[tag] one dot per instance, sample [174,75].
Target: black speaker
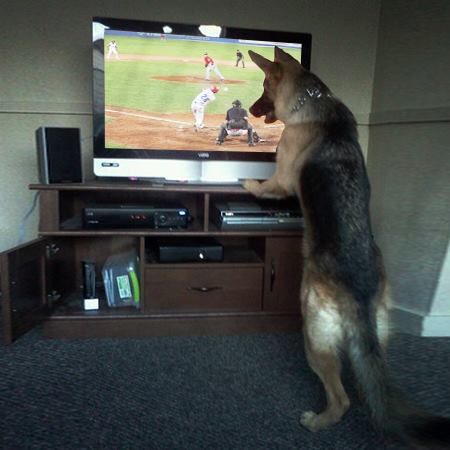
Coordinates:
[59,155]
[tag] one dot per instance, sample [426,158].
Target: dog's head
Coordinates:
[283,68]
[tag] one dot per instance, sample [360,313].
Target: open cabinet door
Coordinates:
[23,288]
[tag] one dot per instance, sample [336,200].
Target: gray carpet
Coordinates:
[226,392]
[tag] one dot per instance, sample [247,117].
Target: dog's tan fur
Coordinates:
[330,308]
[284,181]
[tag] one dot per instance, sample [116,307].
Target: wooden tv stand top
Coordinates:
[143,186]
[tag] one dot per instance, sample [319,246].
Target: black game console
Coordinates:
[258,215]
[135,216]
[189,250]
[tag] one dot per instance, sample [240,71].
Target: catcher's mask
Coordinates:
[237,103]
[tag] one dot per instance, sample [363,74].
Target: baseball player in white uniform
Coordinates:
[199,103]
[113,50]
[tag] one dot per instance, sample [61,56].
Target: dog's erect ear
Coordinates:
[283,57]
[264,64]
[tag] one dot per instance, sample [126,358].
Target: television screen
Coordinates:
[164,90]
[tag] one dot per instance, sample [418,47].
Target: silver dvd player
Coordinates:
[258,215]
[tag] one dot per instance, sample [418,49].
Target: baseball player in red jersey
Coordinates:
[199,103]
[211,65]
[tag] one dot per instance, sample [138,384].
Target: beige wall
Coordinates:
[45,53]
[409,159]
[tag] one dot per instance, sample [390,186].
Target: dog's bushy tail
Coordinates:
[390,411]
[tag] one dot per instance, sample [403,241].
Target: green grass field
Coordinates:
[131,83]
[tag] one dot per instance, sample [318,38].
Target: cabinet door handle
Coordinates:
[272,274]
[205,288]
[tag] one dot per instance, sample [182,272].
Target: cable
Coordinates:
[25,218]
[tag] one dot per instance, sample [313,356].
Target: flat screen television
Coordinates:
[149,79]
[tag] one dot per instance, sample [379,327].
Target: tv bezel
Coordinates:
[149,26]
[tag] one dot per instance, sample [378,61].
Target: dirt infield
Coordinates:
[185,79]
[138,129]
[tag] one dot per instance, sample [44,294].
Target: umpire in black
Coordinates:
[240,58]
[236,119]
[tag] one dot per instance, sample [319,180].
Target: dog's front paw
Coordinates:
[252,186]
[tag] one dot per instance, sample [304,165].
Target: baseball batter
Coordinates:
[199,103]
[209,66]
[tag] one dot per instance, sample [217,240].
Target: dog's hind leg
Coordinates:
[323,336]
[382,316]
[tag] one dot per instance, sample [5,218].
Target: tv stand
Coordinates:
[256,286]
[168,182]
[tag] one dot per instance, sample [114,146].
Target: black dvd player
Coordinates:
[191,250]
[258,215]
[135,216]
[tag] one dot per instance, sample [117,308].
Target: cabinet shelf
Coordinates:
[233,257]
[161,232]
[71,308]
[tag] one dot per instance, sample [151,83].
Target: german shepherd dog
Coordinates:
[344,294]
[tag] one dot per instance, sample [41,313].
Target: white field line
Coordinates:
[144,116]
